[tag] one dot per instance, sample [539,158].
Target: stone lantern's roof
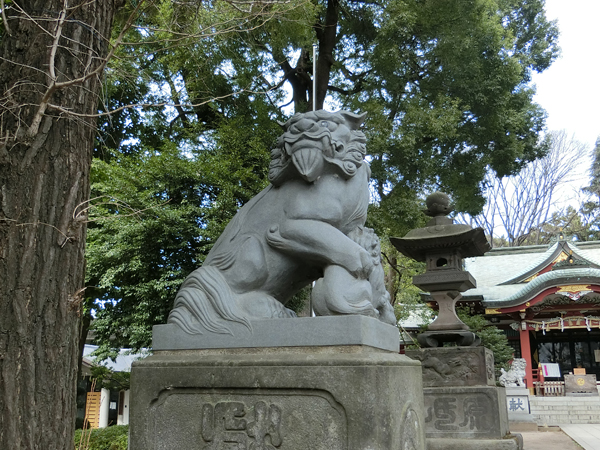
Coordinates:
[441,234]
[422,241]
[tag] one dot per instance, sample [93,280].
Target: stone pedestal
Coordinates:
[463,407]
[517,404]
[320,397]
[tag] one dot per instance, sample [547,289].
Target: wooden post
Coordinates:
[526,353]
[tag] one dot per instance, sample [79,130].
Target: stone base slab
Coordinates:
[519,427]
[467,412]
[318,398]
[292,332]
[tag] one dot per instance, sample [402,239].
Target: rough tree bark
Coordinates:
[52,53]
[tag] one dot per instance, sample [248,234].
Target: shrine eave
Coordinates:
[542,284]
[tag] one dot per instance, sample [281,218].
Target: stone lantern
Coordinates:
[458,377]
[442,245]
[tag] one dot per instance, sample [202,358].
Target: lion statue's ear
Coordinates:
[354,121]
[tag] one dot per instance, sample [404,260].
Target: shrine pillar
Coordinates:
[526,353]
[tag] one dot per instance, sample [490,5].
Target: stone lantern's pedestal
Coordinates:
[463,407]
[324,383]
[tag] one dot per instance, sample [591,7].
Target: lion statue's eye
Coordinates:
[325,124]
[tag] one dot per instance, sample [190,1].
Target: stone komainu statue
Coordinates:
[307,225]
[514,376]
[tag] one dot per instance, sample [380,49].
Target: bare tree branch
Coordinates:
[55,85]
[522,203]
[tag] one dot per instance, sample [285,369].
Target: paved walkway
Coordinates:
[572,437]
[588,436]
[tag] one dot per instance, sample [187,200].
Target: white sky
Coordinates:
[569,90]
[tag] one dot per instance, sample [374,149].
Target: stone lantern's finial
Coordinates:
[438,204]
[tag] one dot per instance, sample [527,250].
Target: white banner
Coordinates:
[550,370]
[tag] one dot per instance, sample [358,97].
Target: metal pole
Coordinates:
[314,77]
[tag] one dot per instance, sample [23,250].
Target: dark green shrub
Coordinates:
[110,438]
[491,337]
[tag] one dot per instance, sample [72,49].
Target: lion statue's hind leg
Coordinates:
[260,305]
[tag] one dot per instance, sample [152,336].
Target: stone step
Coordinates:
[565,406]
[565,419]
[565,410]
[562,412]
[582,399]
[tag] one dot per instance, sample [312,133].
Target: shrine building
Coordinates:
[546,299]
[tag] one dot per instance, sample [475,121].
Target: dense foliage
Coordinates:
[491,337]
[445,84]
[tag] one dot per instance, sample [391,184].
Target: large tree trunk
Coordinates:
[327,37]
[45,160]
[299,76]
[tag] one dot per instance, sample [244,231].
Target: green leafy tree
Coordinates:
[154,218]
[445,84]
[109,379]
